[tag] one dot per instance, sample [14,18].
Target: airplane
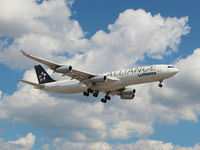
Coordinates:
[111,83]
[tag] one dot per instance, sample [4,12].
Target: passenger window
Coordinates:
[170,66]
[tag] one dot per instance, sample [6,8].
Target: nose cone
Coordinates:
[174,71]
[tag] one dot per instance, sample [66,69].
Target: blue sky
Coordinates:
[79,30]
[106,12]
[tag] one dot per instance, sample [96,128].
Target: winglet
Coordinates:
[51,65]
[23,52]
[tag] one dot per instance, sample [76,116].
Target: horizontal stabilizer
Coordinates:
[37,86]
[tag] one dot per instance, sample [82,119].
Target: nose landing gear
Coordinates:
[160,84]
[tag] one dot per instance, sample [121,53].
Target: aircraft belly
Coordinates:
[110,86]
[69,88]
[136,79]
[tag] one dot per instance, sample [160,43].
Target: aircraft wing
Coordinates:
[81,76]
[51,65]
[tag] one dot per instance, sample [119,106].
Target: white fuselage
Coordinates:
[123,78]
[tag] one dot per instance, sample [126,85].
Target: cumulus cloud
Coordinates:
[133,34]
[19,17]
[117,119]
[126,129]
[26,16]
[0,94]
[80,146]
[153,145]
[48,32]
[181,96]
[41,29]
[45,147]
[24,143]
[139,145]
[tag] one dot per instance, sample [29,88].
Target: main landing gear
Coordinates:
[160,84]
[88,92]
[107,97]
[95,94]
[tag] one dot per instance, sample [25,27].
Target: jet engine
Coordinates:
[64,69]
[128,93]
[98,79]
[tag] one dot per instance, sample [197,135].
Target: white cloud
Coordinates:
[181,95]
[153,145]
[126,129]
[26,16]
[0,94]
[78,136]
[133,34]
[27,143]
[80,146]
[118,119]
[45,147]
[24,143]
[139,145]
[146,144]
[20,16]
[42,30]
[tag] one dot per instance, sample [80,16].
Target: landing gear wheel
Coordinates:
[90,90]
[103,100]
[95,94]
[107,97]
[86,93]
[160,85]
[134,91]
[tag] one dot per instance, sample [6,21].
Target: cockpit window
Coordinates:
[170,66]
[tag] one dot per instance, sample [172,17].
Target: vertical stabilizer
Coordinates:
[42,75]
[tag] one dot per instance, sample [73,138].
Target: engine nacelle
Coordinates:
[98,79]
[128,93]
[127,96]
[64,69]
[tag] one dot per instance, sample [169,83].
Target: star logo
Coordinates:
[42,76]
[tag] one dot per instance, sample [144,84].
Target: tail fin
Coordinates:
[42,75]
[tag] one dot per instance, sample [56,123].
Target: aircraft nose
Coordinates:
[175,71]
